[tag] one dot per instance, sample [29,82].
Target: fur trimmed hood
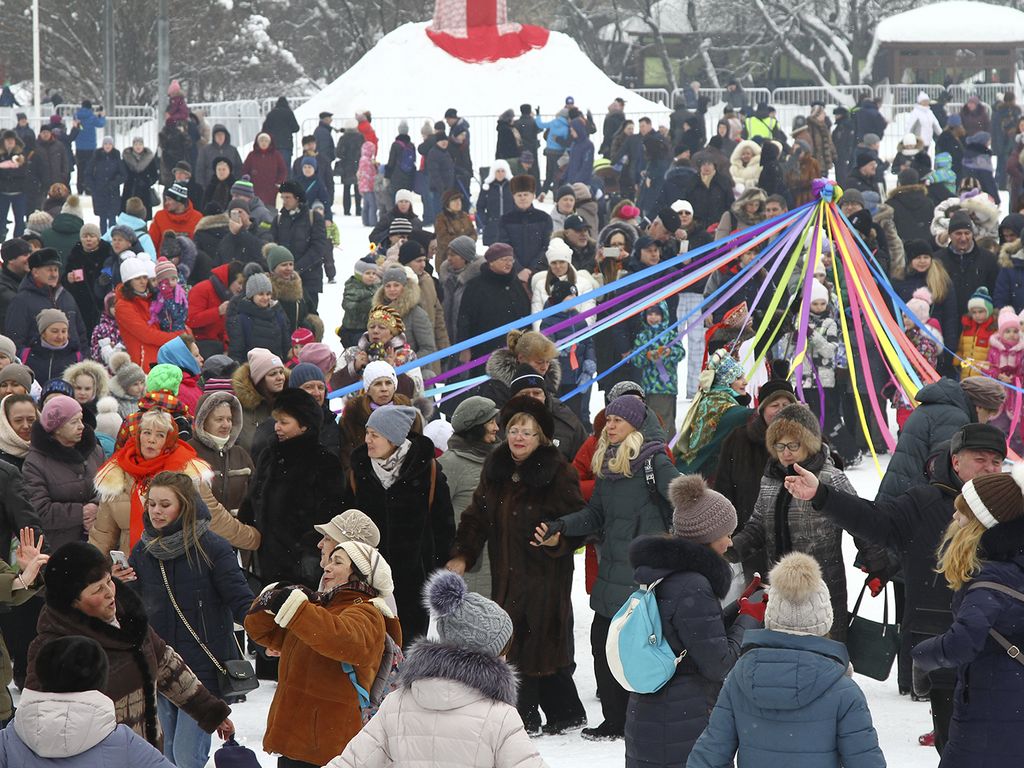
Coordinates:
[668,554]
[907,189]
[90,368]
[403,304]
[538,471]
[216,221]
[112,481]
[1012,254]
[138,163]
[286,290]
[471,270]
[738,209]
[205,406]
[245,390]
[432,661]
[501,366]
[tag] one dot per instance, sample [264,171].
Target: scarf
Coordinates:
[159,300]
[707,411]
[10,442]
[130,459]
[387,469]
[169,546]
[636,466]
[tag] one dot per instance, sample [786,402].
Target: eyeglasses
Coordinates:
[522,433]
[791,447]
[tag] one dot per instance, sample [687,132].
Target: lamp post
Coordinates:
[37,91]
[109,68]
[163,64]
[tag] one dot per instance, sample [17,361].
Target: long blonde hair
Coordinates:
[957,554]
[938,281]
[628,450]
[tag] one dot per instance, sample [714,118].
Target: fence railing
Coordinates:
[657,95]
[242,118]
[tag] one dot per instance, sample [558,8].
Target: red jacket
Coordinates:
[180,223]
[141,340]
[204,300]
[266,170]
[370,135]
[189,391]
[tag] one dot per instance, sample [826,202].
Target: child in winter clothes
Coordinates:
[300,338]
[659,363]
[579,360]
[312,188]
[257,321]
[384,339]
[106,336]
[790,679]
[1006,349]
[127,384]
[979,324]
[366,175]
[942,180]
[169,308]
[819,369]
[52,351]
[930,346]
[357,299]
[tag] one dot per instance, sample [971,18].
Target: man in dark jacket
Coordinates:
[220,146]
[969,266]
[492,299]
[281,124]
[24,132]
[613,121]
[708,191]
[49,163]
[304,233]
[528,130]
[912,208]
[845,139]
[868,119]
[440,168]
[240,243]
[15,254]
[41,289]
[348,150]
[913,525]
[325,154]
[527,229]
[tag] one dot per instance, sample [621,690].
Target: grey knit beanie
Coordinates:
[464,246]
[393,422]
[258,283]
[799,602]
[700,514]
[7,348]
[466,619]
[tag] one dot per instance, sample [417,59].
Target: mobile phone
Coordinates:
[119,558]
[78,275]
[611,252]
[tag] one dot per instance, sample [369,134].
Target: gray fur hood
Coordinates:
[502,364]
[471,270]
[205,407]
[439,675]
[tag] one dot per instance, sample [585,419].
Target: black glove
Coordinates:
[922,683]
[277,598]
[555,526]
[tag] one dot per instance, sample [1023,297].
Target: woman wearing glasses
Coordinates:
[526,481]
[782,524]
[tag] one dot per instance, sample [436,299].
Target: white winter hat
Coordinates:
[378,369]
[922,97]
[133,267]
[818,291]
[559,250]
[799,601]
[406,195]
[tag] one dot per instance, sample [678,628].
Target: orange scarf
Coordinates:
[131,460]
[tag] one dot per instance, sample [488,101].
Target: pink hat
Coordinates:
[921,304]
[58,411]
[261,362]
[302,336]
[1008,319]
[319,355]
[165,269]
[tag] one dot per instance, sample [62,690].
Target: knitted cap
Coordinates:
[7,348]
[498,251]
[123,231]
[392,422]
[108,420]
[626,388]
[243,188]
[1007,319]
[319,355]
[350,525]
[726,368]
[466,619]
[164,377]
[998,498]
[371,564]
[982,391]
[133,267]
[177,191]
[304,373]
[472,412]
[258,283]
[58,411]
[409,252]
[799,600]
[366,264]
[48,317]
[981,299]
[464,246]
[261,362]
[960,220]
[921,304]
[72,568]
[165,269]
[395,275]
[700,514]
[400,226]
[302,336]
[277,255]
[19,374]
[818,291]
[379,369]
[629,408]
[406,195]
[56,387]
[525,378]
[558,250]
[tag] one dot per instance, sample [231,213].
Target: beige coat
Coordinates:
[113,521]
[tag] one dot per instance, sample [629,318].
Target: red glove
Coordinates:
[752,587]
[754,610]
[875,586]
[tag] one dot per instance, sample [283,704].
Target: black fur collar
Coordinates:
[1005,541]
[482,672]
[47,444]
[131,615]
[537,471]
[672,553]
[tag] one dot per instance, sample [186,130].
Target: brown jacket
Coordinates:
[315,711]
[533,584]
[434,309]
[231,464]
[447,227]
[113,521]
[141,666]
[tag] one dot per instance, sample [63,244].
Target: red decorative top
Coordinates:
[479,30]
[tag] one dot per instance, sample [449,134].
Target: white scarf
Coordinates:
[387,469]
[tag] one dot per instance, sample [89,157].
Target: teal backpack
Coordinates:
[639,656]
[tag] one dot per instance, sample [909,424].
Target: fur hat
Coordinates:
[1007,319]
[261,362]
[466,619]
[996,498]
[531,407]
[794,422]
[58,411]
[350,525]
[498,251]
[108,420]
[523,183]
[392,422]
[71,664]
[378,369]
[799,600]
[44,257]
[630,408]
[921,304]
[72,568]
[700,514]
[301,406]
[981,299]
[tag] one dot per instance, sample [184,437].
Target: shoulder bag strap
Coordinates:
[433,483]
[1011,649]
[174,603]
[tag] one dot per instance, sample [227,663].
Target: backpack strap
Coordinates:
[362,693]
[1011,649]
[649,478]
[433,484]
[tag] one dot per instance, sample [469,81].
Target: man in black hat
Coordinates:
[41,289]
[576,234]
[304,233]
[968,265]
[912,525]
[862,177]
[182,172]
[325,154]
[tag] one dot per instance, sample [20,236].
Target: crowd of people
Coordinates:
[172,466]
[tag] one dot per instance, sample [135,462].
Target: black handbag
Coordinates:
[236,677]
[872,646]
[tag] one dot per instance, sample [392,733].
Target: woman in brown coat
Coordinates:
[526,481]
[451,222]
[214,434]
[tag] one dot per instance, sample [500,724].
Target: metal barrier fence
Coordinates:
[293,101]
[126,122]
[657,95]
[242,118]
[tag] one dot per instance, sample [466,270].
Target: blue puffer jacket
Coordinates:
[943,409]
[661,727]
[987,714]
[789,704]
[557,127]
[90,122]
[212,594]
